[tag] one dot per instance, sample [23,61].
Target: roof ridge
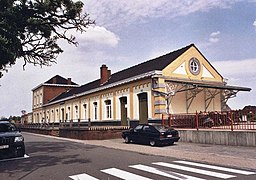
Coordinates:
[153,59]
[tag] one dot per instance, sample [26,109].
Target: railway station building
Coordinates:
[182,81]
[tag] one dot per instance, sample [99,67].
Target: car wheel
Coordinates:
[20,153]
[152,143]
[127,140]
[171,143]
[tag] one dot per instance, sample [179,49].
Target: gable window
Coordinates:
[194,66]
[108,109]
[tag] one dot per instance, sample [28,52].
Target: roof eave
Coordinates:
[128,80]
[54,85]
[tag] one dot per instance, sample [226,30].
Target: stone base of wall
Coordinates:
[231,138]
[86,134]
[51,132]
[93,133]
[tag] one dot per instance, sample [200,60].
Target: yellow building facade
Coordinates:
[182,81]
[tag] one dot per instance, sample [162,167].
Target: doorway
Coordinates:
[123,103]
[143,108]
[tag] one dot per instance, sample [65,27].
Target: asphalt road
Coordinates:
[57,159]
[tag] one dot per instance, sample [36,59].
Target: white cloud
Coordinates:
[116,13]
[239,73]
[98,35]
[101,35]
[213,34]
[214,37]
[254,24]
[236,68]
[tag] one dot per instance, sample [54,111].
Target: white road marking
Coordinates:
[124,174]
[169,174]
[216,167]
[83,177]
[194,170]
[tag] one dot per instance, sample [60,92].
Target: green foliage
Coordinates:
[30,29]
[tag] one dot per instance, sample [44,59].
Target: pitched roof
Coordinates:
[154,64]
[59,80]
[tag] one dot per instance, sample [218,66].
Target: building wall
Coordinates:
[83,107]
[52,91]
[37,98]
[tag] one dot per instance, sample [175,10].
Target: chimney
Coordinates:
[69,81]
[104,74]
[109,73]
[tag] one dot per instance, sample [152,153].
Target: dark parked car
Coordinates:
[11,141]
[151,134]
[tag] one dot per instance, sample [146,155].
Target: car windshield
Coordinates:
[7,128]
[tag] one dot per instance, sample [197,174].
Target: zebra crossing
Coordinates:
[159,169]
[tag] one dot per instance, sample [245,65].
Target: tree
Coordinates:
[30,29]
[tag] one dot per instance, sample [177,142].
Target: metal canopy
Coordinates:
[192,88]
[212,85]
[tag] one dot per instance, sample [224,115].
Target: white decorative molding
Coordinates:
[160,111]
[160,102]
[181,69]
[206,73]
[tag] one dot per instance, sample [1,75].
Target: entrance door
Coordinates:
[143,108]
[123,102]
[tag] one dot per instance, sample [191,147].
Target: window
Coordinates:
[52,116]
[68,114]
[138,128]
[194,66]
[76,112]
[146,129]
[108,109]
[7,127]
[62,114]
[85,111]
[95,110]
[35,102]
[41,99]
[57,114]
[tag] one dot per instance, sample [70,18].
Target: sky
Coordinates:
[127,33]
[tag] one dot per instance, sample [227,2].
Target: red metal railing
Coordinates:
[233,120]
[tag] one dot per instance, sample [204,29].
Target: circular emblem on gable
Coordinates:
[194,66]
